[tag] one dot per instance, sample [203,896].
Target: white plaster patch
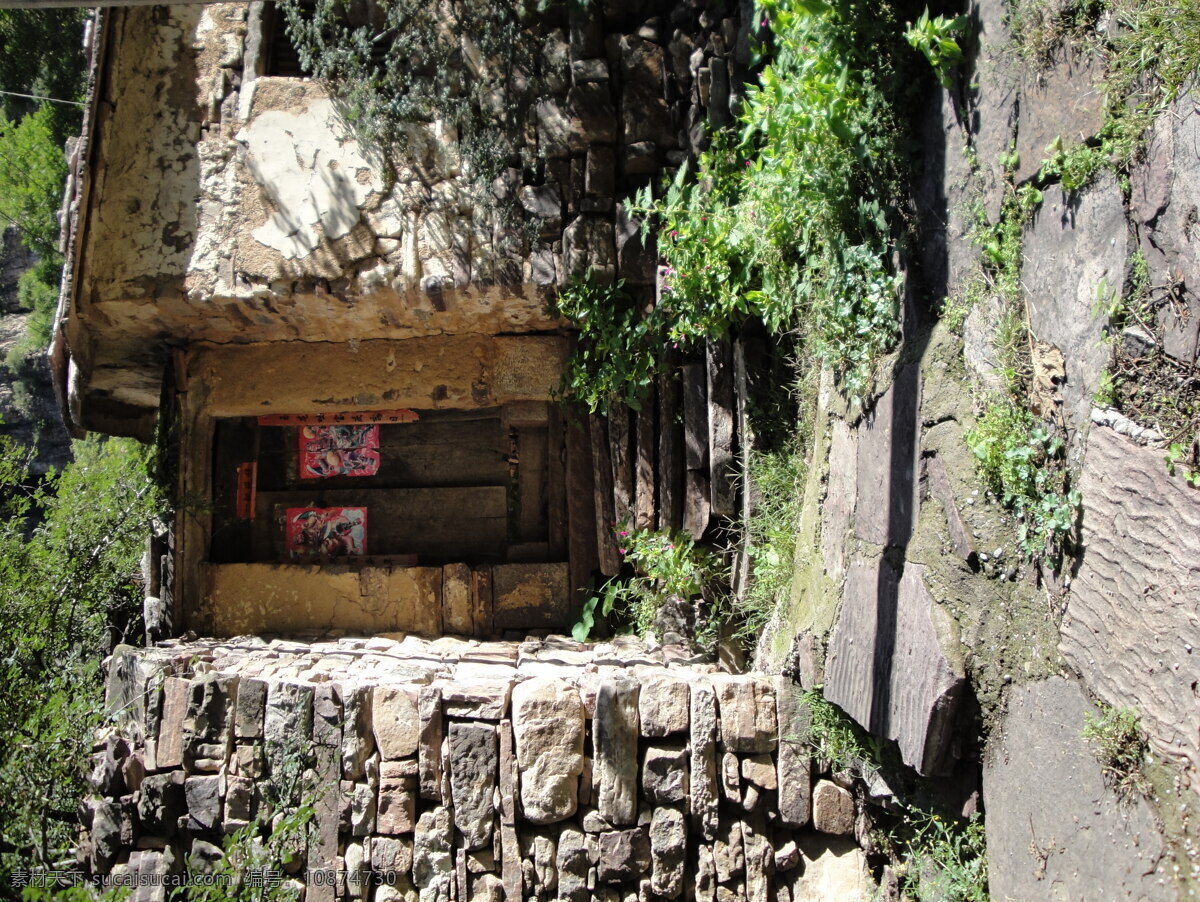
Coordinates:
[313,177]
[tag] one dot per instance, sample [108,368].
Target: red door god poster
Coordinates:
[316,532]
[344,450]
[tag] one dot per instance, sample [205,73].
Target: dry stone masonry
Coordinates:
[453,769]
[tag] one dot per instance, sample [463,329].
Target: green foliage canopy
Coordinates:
[41,52]
[32,172]
[69,550]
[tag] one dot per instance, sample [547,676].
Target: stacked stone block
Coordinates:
[454,770]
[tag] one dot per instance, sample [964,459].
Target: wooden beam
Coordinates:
[606,546]
[622,469]
[556,489]
[581,502]
[695,417]
[670,452]
[643,486]
[722,468]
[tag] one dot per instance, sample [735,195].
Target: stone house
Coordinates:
[353,368]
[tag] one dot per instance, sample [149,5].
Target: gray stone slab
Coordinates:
[1054,831]
[1131,626]
[1073,248]
[615,750]
[1164,195]
[887,463]
[1063,100]
[841,494]
[895,664]
[474,762]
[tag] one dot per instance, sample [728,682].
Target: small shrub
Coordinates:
[770,534]
[1120,747]
[1021,462]
[665,565]
[937,40]
[619,346]
[946,859]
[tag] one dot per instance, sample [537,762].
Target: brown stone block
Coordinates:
[457,617]
[396,721]
[169,750]
[531,596]
[396,812]
[747,709]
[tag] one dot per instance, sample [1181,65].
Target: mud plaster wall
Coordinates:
[453,371]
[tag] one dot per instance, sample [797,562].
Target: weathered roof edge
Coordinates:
[74,215]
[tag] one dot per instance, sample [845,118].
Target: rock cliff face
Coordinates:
[912,604]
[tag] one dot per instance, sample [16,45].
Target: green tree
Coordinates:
[32,171]
[41,52]
[69,552]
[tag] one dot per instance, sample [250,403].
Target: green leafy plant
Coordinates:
[1073,167]
[937,39]
[1177,452]
[70,546]
[33,169]
[770,534]
[833,736]
[255,860]
[664,564]
[617,354]
[1021,462]
[946,860]
[1121,748]
[789,221]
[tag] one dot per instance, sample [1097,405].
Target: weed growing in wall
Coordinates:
[663,565]
[1120,746]
[770,533]
[1021,462]
[945,860]
[834,737]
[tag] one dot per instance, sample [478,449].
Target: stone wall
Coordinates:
[453,769]
[228,206]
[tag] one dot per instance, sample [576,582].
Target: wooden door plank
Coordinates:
[643,488]
[481,601]
[581,501]
[722,466]
[696,502]
[531,485]
[606,519]
[622,468]
[556,501]
[438,522]
[695,417]
[670,453]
